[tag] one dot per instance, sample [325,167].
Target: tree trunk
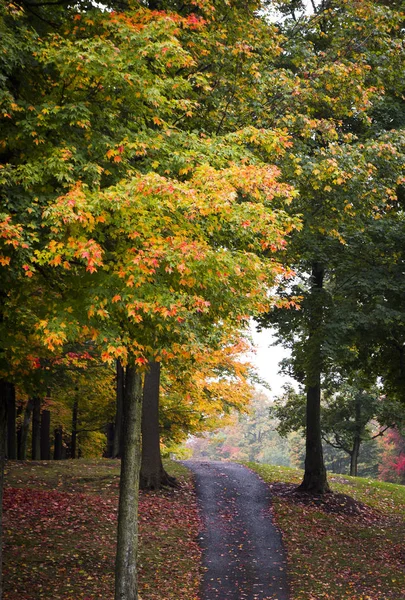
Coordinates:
[73,444]
[126,583]
[153,476]
[110,429]
[354,455]
[315,481]
[22,449]
[19,417]
[118,441]
[45,435]
[11,422]
[57,450]
[3,426]
[36,429]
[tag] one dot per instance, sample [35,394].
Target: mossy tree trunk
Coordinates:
[126,582]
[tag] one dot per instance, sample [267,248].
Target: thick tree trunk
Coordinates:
[315,481]
[36,429]
[73,444]
[45,435]
[153,476]
[11,423]
[3,427]
[57,449]
[126,582]
[119,411]
[22,448]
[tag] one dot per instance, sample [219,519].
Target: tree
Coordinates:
[392,467]
[351,414]
[153,475]
[197,393]
[345,161]
[251,436]
[11,423]
[119,411]
[22,447]
[127,247]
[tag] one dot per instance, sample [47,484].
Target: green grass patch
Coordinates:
[341,555]
[60,533]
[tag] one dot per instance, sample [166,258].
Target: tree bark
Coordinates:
[315,480]
[126,583]
[153,476]
[19,426]
[354,455]
[118,441]
[11,423]
[110,440]
[36,429]
[45,435]
[3,426]
[57,450]
[22,449]
[73,444]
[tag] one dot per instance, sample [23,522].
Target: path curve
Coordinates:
[242,549]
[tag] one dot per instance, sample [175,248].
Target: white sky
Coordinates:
[266,360]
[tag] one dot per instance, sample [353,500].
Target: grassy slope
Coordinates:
[355,553]
[60,524]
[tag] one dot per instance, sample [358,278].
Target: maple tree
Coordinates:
[193,394]
[248,436]
[202,393]
[392,466]
[125,245]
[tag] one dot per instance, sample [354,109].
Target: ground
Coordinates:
[349,545]
[60,527]
[60,523]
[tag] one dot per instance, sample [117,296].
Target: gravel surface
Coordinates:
[242,549]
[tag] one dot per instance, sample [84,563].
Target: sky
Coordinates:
[266,360]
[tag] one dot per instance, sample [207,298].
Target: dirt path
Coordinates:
[242,549]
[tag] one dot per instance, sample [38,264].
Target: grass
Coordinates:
[60,527]
[338,554]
